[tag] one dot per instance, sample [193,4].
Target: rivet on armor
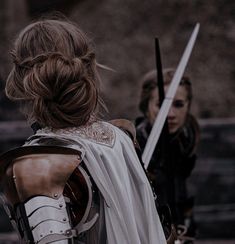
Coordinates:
[55,195]
[14,177]
[41,235]
[64,219]
[51,231]
[61,231]
[60,205]
[68,232]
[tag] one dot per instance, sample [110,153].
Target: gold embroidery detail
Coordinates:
[98,132]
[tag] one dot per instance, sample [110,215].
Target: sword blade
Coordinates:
[161,117]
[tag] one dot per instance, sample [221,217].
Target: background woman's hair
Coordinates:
[149,83]
[54,74]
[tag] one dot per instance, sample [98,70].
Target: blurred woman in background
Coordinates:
[170,167]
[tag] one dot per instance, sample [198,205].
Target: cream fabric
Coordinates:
[110,157]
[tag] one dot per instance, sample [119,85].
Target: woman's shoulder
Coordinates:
[126,126]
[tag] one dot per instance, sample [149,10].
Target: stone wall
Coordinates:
[124,31]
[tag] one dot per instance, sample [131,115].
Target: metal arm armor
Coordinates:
[34,180]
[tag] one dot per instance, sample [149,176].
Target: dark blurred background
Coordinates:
[123,32]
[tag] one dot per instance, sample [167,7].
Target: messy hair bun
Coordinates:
[54,74]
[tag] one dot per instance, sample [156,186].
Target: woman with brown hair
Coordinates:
[77,179]
[170,166]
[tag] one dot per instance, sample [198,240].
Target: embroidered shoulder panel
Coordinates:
[98,132]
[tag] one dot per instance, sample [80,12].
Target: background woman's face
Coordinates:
[178,111]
